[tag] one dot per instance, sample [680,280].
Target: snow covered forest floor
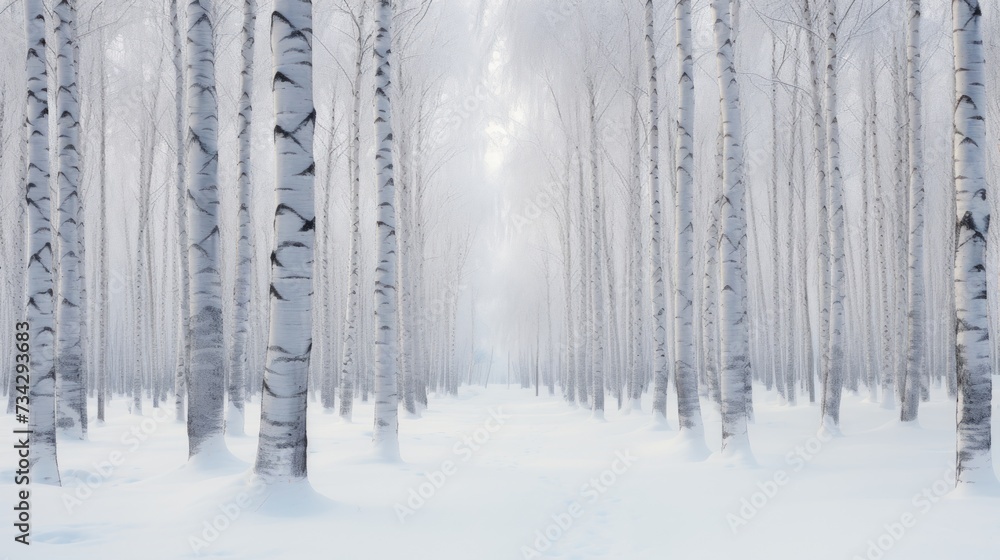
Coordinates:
[616,489]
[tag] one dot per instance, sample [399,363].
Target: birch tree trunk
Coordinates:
[141,285]
[596,264]
[833,375]
[386,432]
[796,255]
[776,319]
[915,351]
[585,342]
[39,282]
[820,164]
[72,398]
[105,273]
[637,288]
[281,452]
[244,257]
[975,385]
[349,366]
[902,204]
[688,405]
[658,293]
[567,253]
[182,374]
[871,299]
[205,423]
[732,303]
[887,397]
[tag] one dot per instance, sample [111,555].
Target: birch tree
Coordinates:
[205,424]
[885,365]
[833,371]
[40,324]
[281,451]
[974,368]
[915,351]
[349,362]
[385,434]
[244,258]
[72,397]
[688,405]
[105,272]
[658,292]
[184,346]
[637,309]
[820,165]
[596,272]
[732,302]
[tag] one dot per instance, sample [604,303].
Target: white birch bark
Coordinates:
[902,205]
[915,351]
[39,282]
[205,423]
[796,255]
[72,398]
[386,432]
[182,372]
[734,340]
[887,395]
[658,292]
[637,309]
[281,451]
[833,374]
[141,285]
[244,257]
[103,363]
[567,250]
[585,342]
[688,405]
[349,366]
[821,196]
[710,306]
[975,387]
[596,272]
[870,300]
[775,319]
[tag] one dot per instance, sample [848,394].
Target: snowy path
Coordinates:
[547,480]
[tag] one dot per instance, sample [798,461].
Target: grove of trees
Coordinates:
[616,202]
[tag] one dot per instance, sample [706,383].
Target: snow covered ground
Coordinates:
[532,479]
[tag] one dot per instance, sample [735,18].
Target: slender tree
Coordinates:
[103,362]
[349,361]
[974,368]
[206,391]
[915,350]
[281,451]
[596,273]
[688,405]
[732,303]
[659,296]
[72,397]
[833,371]
[386,430]
[40,324]
[182,372]
[820,167]
[244,258]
